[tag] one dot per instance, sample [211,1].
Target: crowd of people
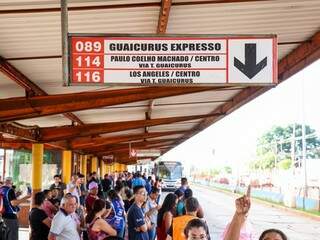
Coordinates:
[120,206]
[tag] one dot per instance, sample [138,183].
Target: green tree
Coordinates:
[285,164]
[228,169]
[214,172]
[275,145]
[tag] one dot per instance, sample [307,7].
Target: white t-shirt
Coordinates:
[75,192]
[64,227]
[149,205]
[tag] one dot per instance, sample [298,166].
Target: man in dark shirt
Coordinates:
[106,185]
[10,203]
[58,184]
[138,225]
[184,184]
[55,200]
[39,221]
[83,189]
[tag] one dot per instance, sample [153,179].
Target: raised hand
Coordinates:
[243,204]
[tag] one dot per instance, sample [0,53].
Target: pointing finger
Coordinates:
[248,194]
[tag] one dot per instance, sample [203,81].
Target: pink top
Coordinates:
[96,235]
[246,232]
[49,208]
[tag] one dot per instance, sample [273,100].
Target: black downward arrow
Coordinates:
[250,68]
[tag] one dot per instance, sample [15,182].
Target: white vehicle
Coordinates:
[170,173]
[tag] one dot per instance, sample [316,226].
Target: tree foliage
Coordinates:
[275,146]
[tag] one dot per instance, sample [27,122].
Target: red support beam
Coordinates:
[164,16]
[49,134]
[17,130]
[120,148]
[31,88]
[13,109]
[26,145]
[83,143]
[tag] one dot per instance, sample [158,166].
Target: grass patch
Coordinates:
[314,212]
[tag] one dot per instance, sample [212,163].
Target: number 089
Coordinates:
[88,46]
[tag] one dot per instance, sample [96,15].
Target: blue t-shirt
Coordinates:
[138,182]
[183,188]
[136,219]
[119,213]
[148,187]
[180,208]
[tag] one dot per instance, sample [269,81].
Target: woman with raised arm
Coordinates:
[242,209]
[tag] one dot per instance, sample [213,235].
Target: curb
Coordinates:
[283,208]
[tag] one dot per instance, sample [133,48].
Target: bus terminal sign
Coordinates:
[172,60]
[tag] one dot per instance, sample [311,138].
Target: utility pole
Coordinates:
[293,149]
[304,160]
[304,147]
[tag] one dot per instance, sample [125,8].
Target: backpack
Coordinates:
[5,205]
[3,230]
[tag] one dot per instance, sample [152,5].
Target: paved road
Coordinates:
[219,208]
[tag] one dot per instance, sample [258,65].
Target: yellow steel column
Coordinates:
[84,166]
[80,163]
[102,168]
[108,167]
[66,166]
[118,169]
[123,167]
[36,172]
[94,164]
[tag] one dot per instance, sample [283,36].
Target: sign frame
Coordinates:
[179,36]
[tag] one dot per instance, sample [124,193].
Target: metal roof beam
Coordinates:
[94,142]
[13,109]
[28,133]
[31,88]
[164,16]
[125,147]
[67,132]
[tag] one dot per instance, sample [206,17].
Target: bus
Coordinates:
[170,172]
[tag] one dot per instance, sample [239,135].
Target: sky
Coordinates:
[232,140]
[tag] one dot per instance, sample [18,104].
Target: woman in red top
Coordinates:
[165,216]
[47,206]
[98,228]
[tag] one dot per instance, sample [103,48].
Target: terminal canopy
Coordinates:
[110,120]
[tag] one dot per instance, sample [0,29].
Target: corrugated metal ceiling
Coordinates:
[32,35]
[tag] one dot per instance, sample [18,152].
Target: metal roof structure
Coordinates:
[35,107]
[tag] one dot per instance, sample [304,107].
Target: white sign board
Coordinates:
[145,153]
[108,157]
[154,60]
[144,161]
